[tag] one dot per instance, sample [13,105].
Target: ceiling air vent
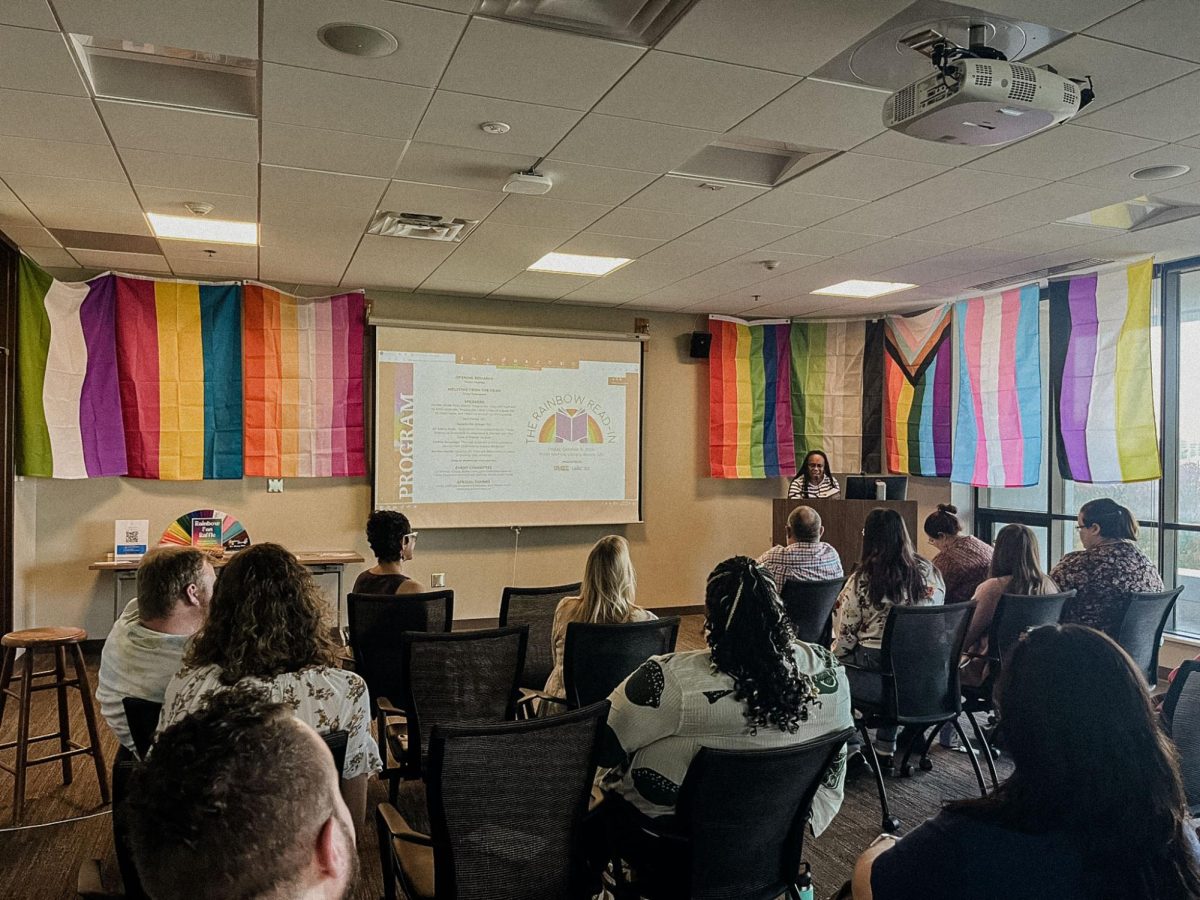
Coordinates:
[634,21]
[755,161]
[421,226]
[1038,274]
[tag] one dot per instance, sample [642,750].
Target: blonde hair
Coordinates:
[606,595]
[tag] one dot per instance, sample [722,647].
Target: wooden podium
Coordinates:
[843,521]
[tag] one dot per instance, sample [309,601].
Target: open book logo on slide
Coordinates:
[570,426]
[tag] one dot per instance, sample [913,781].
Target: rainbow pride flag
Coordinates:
[303,363]
[998,426]
[180,362]
[750,408]
[68,401]
[1100,375]
[827,390]
[916,396]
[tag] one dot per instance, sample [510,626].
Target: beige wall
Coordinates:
[691,521]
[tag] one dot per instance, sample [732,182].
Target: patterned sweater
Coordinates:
[1101,577]
[964,566]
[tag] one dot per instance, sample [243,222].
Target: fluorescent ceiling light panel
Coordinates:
[190,228]
[858,288]
[576,264]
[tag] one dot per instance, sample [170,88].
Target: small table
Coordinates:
[319,562]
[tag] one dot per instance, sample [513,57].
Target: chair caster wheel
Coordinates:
[906,771]
[891,824]
[926,764]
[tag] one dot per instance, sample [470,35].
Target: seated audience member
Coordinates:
[889,573]
[268,626]
[240,799]
[1016,568]
[755,687]
[806,557]
[605,598]
[392,541]
[1095,806]
[963,559]
[145,646]
[1109,566]
[814,478]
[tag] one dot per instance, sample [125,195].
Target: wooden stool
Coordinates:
[58,640]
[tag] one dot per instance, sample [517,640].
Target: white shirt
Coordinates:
[135,662]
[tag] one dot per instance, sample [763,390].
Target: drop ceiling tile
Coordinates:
[460,167]
[306,186]
[16,215]
[454,120]
[600,299]
[499,252]
[1168,112]
[862,177]
[27,156]
[33,60]
[434,199]
[894,145]
[90,218]
[1126,70]
[674,193]
[193,173]
[1062,152]
[50,117]
[628,143]
[536,65]
[819,114]
[783,207]
[971,259]
[823,242]
[593,184]
[590,243]
[329,243]
[294,96]
[216,26]
[170,201]
[738,235]
[887,217]
[216,269]
[427,38]
[891,253]
[1045,238]
[330,151]
[124,262]
[29,236]
[52,257]
[1115,177]
[140,127]
[395,262]
[1068,15]
[28,14]
[286,265]
[42,190]
[695,93]
[796,36]
[541,286]
[177,252]
[960,190]
[435,285]
[973,227]
[542,212]
[1061,200]
[645,223]
[1164,26]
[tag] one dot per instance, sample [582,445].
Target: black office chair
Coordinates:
[535,606]
[1181,713]
[809,605]
[1015,614]
[917,686]
[1141,629]
[506,805]
[738,830]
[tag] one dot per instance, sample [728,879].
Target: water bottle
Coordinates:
[805,883]
[880,490]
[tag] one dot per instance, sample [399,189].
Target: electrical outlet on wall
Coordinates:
[274,485]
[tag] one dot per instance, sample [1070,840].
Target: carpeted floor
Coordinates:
[41,863]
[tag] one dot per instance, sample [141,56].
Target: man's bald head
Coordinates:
[804,525]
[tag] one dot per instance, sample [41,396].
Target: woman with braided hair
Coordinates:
[755,687]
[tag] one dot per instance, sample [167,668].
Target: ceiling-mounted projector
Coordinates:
[976,97]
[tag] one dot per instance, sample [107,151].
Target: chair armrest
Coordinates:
[397,827]
[387,707]
[528,696]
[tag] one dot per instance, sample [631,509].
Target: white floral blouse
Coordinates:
[328,699]
[856,620]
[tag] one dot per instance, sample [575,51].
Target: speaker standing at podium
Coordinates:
[814,478]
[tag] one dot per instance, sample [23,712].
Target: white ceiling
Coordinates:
[340,137]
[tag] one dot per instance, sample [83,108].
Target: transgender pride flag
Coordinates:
[68,400]
[998,428]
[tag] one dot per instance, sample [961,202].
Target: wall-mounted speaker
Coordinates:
[701,344]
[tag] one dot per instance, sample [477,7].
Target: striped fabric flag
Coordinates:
[749,399]
[303,362]
[827,390]
[68,401]
[916,376]
[998,427]
[1100,371]
[180,361]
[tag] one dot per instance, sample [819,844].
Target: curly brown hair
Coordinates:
[267,617]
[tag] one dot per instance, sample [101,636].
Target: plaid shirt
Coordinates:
[802,561]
